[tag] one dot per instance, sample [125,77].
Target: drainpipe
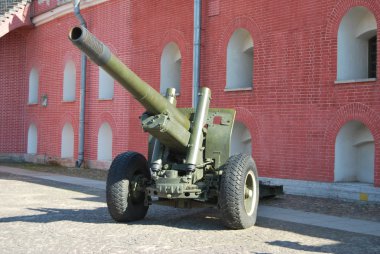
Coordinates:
[196,51]
[80,160]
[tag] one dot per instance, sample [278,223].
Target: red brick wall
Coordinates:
[13,95]
[294,111]
[294,99]
[48,49]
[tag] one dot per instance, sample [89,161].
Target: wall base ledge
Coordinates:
[336,190]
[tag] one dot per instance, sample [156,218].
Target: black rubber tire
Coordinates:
[121,205]
[232,198]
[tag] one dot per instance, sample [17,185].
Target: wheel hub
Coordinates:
[249,193]
[137,188]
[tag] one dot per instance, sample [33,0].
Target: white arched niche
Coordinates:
[106,85]
[33,87]
[357,45]
[171,61]
[32,139]
[240,60]
[105,142]
[241,141]
[354,154]
[69,80]
[67,141]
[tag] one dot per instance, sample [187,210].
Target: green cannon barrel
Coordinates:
[100,54]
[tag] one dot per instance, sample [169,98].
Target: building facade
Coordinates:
[302,76]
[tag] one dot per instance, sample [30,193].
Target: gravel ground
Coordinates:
[40,216]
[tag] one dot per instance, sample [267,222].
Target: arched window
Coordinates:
[69,80]
[357,45]
[171,61]
[105,142]
[241,141]
[67,141]
[106,85]
[354,154]
[33,87]
[32,140]
[240,60]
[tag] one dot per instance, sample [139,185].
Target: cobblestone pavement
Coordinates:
[40,216]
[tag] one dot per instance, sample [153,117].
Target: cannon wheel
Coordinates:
[125,187]
[239,192]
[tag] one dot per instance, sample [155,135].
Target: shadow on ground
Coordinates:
[199,219]
[48,215]
[345,242]
[206,219]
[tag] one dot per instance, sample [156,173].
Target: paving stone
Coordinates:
[43,216]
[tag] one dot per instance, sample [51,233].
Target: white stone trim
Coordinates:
[355,81]
[62,10]
[238,89]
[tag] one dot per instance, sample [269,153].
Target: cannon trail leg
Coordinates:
[196,139]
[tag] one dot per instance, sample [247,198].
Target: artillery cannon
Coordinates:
[189,162]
